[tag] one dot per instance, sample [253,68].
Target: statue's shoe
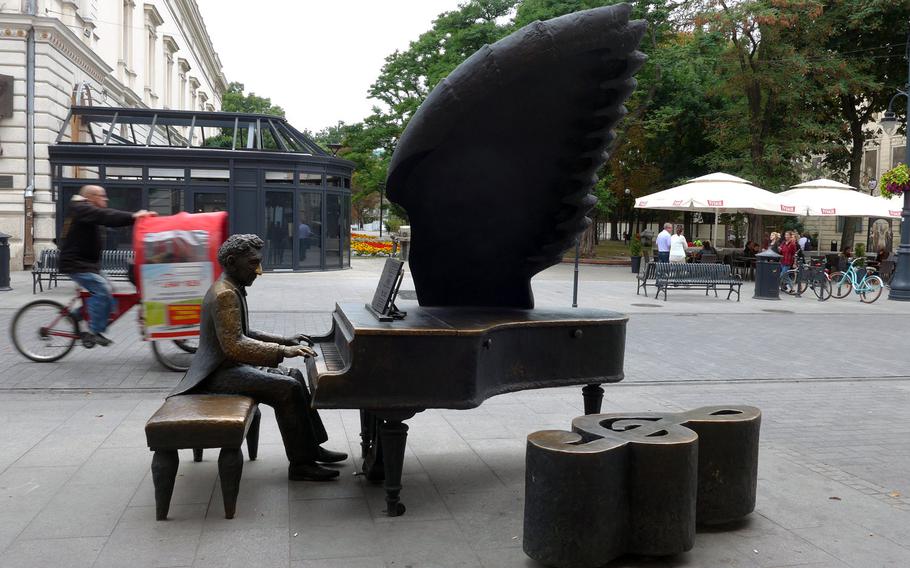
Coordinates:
[310,472]
[328,456]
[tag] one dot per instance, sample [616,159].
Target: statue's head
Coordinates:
[241,258]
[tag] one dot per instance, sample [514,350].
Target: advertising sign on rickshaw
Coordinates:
[177,261]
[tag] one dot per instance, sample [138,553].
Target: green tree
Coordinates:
[234,100]
[858,65]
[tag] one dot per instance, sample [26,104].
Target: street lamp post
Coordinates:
[628,193]
[381,195]
[900,285]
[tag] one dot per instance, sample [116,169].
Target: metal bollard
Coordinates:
[4,262]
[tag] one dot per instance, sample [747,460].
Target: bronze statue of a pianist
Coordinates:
[234,359]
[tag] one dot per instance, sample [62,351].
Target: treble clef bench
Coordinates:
[198,421]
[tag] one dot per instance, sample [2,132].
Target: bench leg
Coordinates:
[197,455]
[230,468]
[252,436]
[164,472]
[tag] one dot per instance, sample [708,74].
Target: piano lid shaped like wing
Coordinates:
[496,167]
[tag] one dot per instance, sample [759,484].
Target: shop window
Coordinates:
[210,175]
[122,173]
[310,179]
[279,177]
[165,201]
[170,174]
[333,181]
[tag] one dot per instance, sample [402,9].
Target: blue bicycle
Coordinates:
[868,286]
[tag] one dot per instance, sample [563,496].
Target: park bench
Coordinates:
[115,264]
[696,276]
[198,421]
[645,273]
[45,269]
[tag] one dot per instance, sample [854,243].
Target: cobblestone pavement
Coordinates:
[830,377]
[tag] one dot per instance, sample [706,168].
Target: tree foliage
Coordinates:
[760,89]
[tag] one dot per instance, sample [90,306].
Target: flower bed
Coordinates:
[369,245]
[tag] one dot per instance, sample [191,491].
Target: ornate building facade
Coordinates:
[113,53]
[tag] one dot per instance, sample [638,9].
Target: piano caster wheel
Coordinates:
[396,510]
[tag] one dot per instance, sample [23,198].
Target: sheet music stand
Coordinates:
[383,304]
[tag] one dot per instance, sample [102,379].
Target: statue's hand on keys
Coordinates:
[291,351]
[301,338]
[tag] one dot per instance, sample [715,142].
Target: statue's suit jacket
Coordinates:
[225,337]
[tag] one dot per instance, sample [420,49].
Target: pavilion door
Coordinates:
[279,230]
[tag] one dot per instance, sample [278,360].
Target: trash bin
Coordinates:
[767,276]
[4,262]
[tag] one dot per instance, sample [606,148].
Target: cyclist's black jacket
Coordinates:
[82,237]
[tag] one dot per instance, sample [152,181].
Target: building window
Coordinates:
[870,164]
[183,67]
[152,21]
[126,38]
[898,155]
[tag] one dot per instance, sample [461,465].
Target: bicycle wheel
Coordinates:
[43,332]
[871,290]
[840,285]
[175,355]
[822,289]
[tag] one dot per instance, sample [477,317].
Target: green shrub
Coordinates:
[635,246]
[392,224]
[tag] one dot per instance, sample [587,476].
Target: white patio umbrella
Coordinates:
[829,198]
[714,193]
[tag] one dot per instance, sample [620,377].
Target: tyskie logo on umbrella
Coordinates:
[678,203]
[788,208]
[829,211]
[715,203]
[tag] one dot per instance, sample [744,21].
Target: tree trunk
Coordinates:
[587,242]
[756,228]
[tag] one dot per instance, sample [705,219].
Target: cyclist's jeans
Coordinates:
[101,302]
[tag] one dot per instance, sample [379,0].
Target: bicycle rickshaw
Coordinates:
[176,260]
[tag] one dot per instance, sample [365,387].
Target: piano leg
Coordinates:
[393,434]
[594,395]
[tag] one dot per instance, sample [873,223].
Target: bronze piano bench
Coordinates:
[637,483]
[200,421]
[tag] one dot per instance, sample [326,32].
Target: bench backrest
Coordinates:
[116,260]
[692,271]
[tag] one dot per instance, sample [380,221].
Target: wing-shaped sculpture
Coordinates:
[496,167]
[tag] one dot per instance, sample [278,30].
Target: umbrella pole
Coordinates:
[716,228]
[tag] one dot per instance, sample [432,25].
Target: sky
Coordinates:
[314,58]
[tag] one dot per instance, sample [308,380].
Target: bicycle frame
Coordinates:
[125,302]
[853,273]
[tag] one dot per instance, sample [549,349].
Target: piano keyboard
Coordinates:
[330,357]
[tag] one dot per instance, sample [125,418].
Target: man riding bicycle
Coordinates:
[80,252]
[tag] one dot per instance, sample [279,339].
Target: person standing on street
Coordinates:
[663,243]
[678,246]
[80,253]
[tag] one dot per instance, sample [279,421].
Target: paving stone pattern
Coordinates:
[830,377]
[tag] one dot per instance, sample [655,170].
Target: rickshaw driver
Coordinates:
[80,252]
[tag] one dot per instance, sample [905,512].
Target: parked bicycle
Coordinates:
[46,330]
[808,275]
[861,280]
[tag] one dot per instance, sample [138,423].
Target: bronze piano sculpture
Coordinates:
[505,149]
